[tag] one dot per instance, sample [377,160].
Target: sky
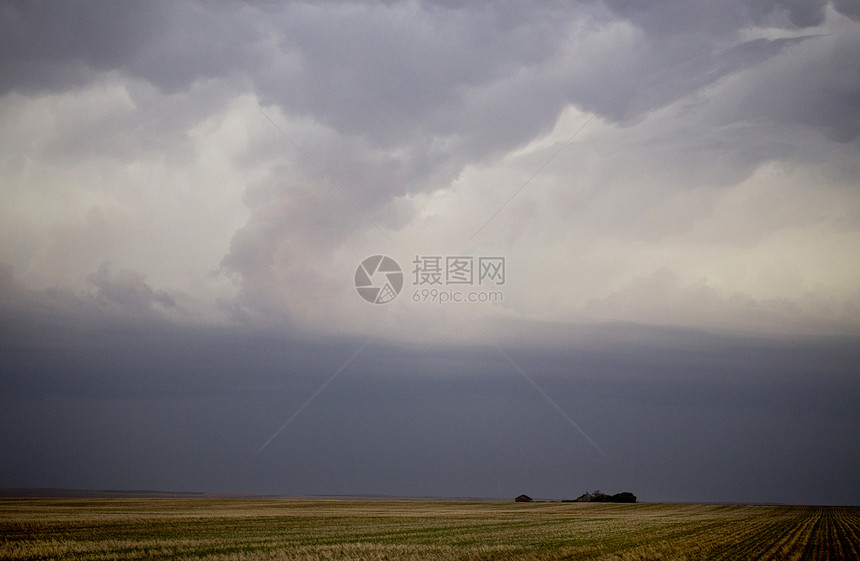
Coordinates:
[624,240]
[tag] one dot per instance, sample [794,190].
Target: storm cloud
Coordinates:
[187,189]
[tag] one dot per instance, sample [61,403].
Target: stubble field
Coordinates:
[257,529]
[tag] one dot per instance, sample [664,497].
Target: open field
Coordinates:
[250,529]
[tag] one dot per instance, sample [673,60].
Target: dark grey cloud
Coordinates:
[106,388]
[708,20]
[128,290]
[629,88]
[402,75]
[850,8]
[808,92]
[54,47]
[99,401]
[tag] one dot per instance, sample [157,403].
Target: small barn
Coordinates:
[523,499]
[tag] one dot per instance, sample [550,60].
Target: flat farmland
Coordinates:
[252,529]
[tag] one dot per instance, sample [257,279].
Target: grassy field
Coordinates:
[252,529]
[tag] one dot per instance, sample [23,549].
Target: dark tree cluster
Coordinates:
[598,497]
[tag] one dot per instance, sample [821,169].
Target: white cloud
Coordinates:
[717,161]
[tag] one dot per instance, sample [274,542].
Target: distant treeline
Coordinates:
[598,497]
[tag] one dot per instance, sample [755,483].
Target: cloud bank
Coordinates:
[187,189]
